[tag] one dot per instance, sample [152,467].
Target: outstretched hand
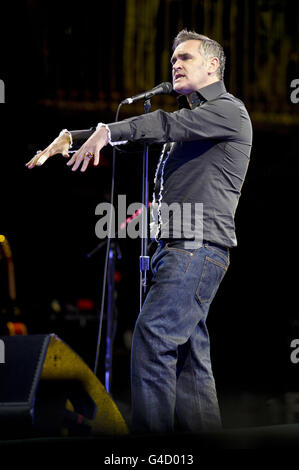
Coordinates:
[60,145]
[90,150]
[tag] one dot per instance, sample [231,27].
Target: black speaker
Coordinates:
[47,389]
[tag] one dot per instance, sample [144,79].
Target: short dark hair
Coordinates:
[208,47]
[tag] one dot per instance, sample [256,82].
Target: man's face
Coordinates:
[190,71]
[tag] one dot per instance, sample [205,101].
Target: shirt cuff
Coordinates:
[118,132]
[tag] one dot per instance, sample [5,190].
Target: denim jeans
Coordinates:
[171,374]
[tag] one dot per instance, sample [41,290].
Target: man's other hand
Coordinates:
[60,145]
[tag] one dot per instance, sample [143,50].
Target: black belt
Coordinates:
[163,241]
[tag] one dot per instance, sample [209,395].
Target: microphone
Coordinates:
[162,89]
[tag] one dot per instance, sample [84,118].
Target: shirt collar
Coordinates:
[206,93]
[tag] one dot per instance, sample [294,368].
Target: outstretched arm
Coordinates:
[221,119]
[89,151]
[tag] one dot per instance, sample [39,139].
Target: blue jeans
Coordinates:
[171,373]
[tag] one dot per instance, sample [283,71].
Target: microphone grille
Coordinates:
[167,87]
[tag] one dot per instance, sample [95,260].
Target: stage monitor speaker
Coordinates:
[47,389]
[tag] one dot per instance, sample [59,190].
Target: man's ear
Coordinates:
[213,65]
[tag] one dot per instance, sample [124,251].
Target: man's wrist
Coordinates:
[101,124]
[68,135]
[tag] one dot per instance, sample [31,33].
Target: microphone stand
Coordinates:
[111,314]
[144,259]
[110,260]
[111,323]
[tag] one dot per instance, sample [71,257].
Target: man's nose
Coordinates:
[176,66]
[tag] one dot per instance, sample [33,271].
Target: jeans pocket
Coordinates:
[223,255]
[180,247]
[211,277]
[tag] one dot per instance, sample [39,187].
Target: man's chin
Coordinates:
[181,90]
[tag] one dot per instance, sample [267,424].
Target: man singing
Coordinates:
[205,156]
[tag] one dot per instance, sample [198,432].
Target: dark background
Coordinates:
[67,66]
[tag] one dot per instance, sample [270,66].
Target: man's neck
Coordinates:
[203,86]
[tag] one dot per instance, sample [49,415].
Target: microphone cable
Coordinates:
[107,251]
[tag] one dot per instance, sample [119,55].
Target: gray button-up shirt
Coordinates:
[205,161]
